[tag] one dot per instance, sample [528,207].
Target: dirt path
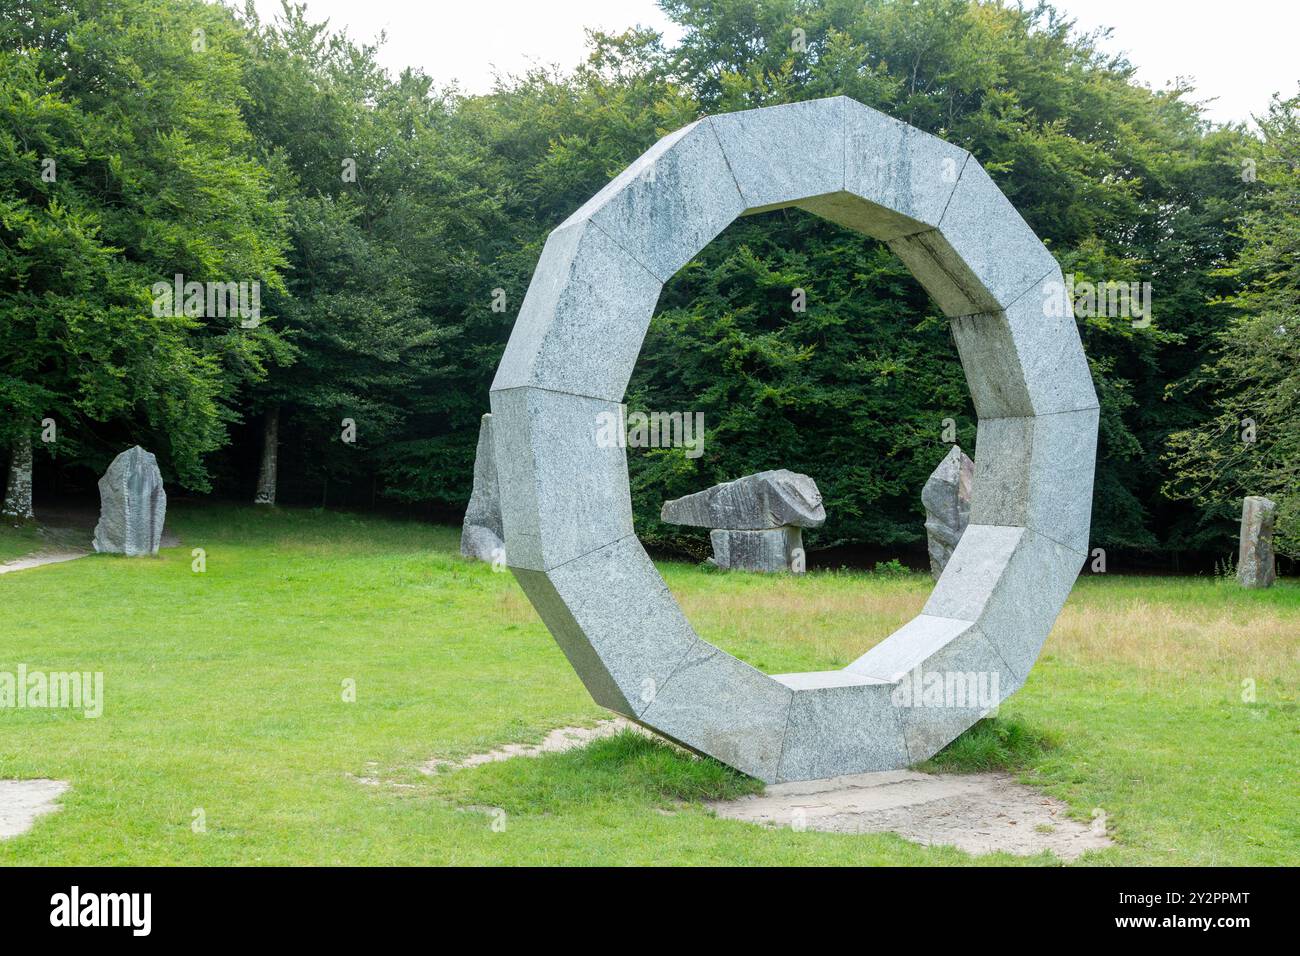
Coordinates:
[22,801]
[978,813]
[40,558]
[557,741]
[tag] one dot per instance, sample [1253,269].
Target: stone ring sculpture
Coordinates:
[565,500]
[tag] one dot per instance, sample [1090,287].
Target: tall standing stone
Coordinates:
[268,472]
[1256,564]
[18,491]
[481,536]
[946,497]
[132,505]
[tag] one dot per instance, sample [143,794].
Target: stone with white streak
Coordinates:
[946,497]
[1256,563]
[759,502]
[133,505]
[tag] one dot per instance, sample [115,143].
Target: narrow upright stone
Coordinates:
[132,505]
[946,497]
[481,534]
[760,502]
[1256,564]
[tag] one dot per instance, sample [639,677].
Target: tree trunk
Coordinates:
[268,475]
[18,493]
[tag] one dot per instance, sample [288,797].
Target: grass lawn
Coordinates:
[16,542]
[225,706]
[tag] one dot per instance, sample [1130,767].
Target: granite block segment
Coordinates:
[670,203]
[946,694]
[905,177]
[840,728]
[1256,563]
[724,708]
[623,649]
[132,506]
[983,257]
[1013,583]
[583,320]
[908,648]
[769,551]
[1028,359]
[946,497]
[481,534]
[768,499]
[1038,473]
[781,154]
[564,493]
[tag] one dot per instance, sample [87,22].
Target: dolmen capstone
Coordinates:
[755,522]
[132,505]
[946,497]
[481,536]
[1256,563]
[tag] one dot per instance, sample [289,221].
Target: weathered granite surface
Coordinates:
[946,496]
[565,498]
[773,550]
[1256,563]
[759,502]
[132,505]
[481,535]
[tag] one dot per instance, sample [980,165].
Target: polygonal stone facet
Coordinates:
[1026,359]
[1012,582]
[1037,473]
[840,723]
[983,256]
[720,706]
[583,319]
[781,154]
[624,649]
[564,485]
[898,179]
[670,203]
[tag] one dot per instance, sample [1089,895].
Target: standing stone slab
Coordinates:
[481,535]
[774,550]
[946,497]
[133,505]
[768,499]
[1256,563]
[565,497]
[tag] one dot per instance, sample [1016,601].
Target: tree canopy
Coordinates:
[393,226]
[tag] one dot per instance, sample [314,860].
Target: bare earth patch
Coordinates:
[22,801]
[557,741]
[978,813]
[39,559]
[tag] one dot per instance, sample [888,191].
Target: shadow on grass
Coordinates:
[626,768]
[995,743]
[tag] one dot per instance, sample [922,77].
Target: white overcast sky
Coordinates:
[1237,51]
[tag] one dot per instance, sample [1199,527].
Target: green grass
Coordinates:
[16,542]
[225,695]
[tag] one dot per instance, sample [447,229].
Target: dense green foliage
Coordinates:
[384,217]
[1252,444]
